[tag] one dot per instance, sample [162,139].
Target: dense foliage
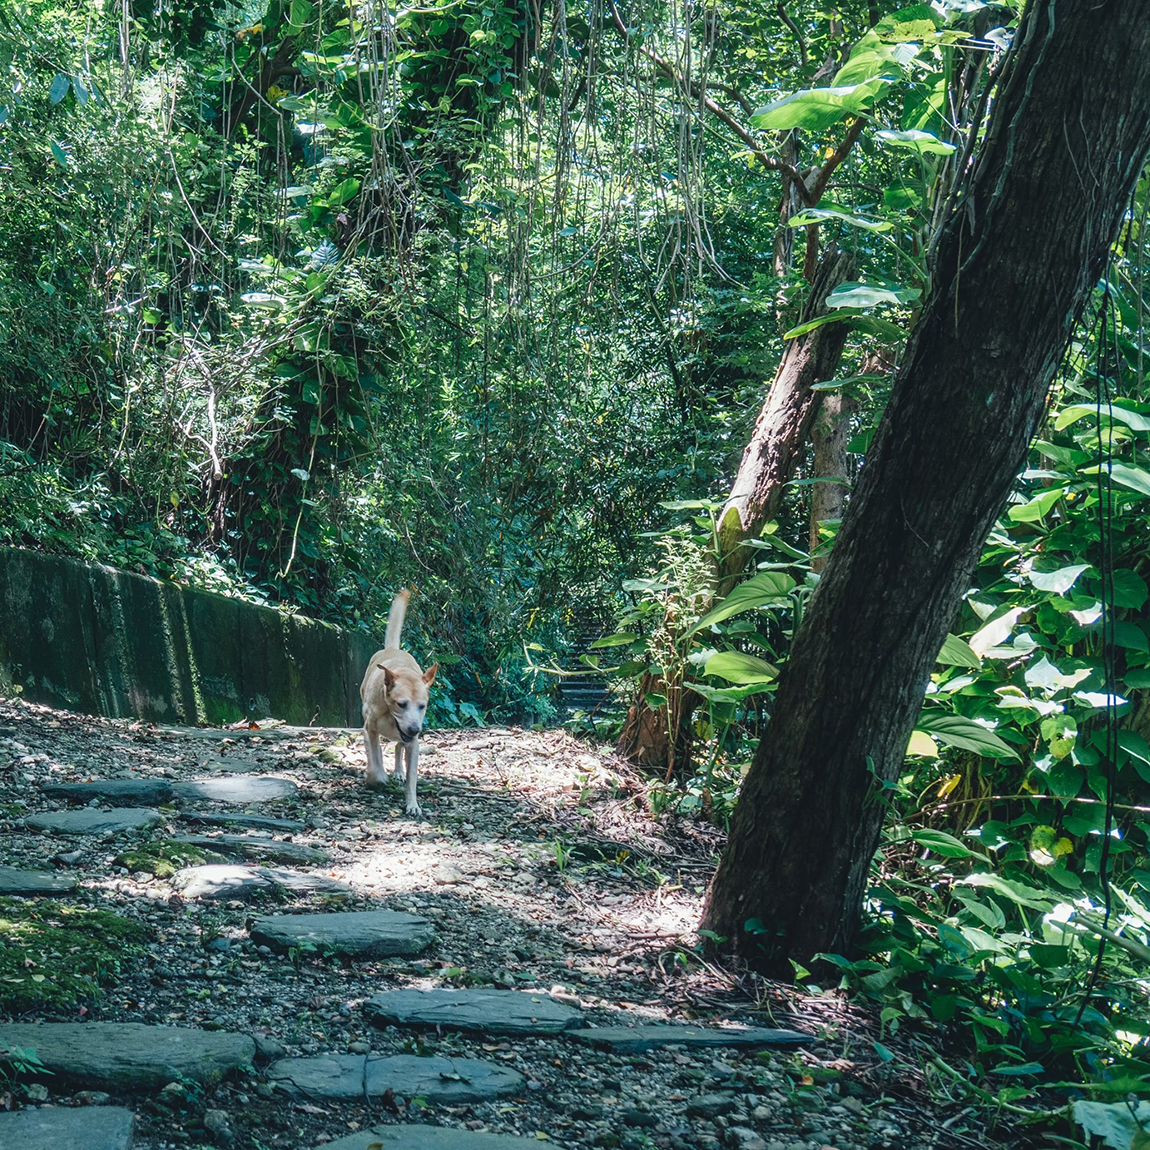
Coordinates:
[305,302]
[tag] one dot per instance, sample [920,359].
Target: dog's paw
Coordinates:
[414,809]
[375,783]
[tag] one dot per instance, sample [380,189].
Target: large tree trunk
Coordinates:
[829,436]
[1014,266]
[784,423]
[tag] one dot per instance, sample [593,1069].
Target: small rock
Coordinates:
[216,1124]
[710,1105]
[639,1118]
[359,1047]
[268,1049]
[173,1092]
[744,1138]
[220,944]
[91,1098]
[36,1092]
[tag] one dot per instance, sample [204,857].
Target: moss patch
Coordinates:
[57,956]
[165,858]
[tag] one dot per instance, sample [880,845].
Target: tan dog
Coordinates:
[394,694]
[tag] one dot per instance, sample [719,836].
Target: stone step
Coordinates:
[129,1055]
[441,1081]
[256,849]
[428,1138]
[488,1011]
[219,880]
[114,792]
[242,819]
[630,1039]
[90,821]
[363,934]
[237,789]
[57,1128]
[32,882]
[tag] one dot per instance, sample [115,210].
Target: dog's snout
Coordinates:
[409,733]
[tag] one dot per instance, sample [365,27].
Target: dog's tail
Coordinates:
[395,618]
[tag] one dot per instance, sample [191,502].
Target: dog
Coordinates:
[395,693]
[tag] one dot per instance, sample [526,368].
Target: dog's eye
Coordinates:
[423,706]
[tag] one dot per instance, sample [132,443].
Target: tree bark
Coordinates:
[829,436]
[784,423]
[1013,269]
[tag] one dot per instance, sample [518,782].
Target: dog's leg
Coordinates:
[376,776]
[413,807]
[397,773]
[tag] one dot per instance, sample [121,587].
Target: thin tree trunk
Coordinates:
[1014,267]
[784,423]
[830,436]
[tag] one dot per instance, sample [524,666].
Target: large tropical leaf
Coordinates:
[765,587]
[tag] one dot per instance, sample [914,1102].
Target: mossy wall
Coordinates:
[92,638]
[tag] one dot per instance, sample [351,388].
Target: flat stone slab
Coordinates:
[116,792]
[93,822]
[28,882]
[488,1011]
[256,849]
[441,1081]
[237,789]
[626,1039]
[364,933]
[57,1128]
[428,1138]
[129,1055]
[247,882]
[242,819]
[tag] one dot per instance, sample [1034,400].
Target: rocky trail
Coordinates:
[220,938]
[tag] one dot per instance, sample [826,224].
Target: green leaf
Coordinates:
[811,324]
[816,109]
[943,844]
[818,215]
[343,192]
[59,155]
[81,92]
[1132,419]
[1033,511]
[1129,588]
[957,652]
[966,734]
[301,474]
[1134,745]
[619,640]
[853,294]
[737,667]
[765,587]
[1114,1122]
[1017,892]
[916,141]
[922,744]
[1058,582]
[918,22]
[60,86]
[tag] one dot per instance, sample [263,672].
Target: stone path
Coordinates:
[115,792]
[359,934]
[90,1128]
[217,881]
[439,1081]
[488,1011]
[456,982]
[14,881]
[631,1039]
[237,789]
[93,822]
[127,1055]
[256,849]
[429,1138]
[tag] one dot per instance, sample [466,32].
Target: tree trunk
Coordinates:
[784,423]
[830,435]
[1013,269]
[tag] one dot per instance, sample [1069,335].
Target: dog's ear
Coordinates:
[388,676]
[429,674]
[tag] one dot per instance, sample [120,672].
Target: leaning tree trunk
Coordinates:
[768,463]
[829,436]
[1015,264]
[784,423]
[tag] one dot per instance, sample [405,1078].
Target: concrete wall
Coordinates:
[95,639]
